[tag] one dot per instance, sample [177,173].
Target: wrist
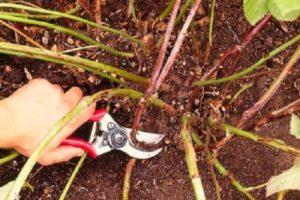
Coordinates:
[7,126]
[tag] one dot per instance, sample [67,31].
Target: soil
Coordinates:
[165,176]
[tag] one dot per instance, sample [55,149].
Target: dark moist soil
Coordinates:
[165,176]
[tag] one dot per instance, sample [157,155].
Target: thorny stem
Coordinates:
[286,110]
[211,22]
[252,67]
[22,34]
[68,31]
[23,175]
[9,158]
[72,177]
[222,170]
[169,64]
[71,59]
[237,49]
[127,178]
[251,136]
[156,71]
[191,158]
[66,15]
[272,90]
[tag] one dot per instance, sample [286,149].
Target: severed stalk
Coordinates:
[127,178]
[270,142]
[9,158]
[191,159]
[272,90]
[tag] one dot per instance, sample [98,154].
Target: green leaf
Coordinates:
[295,126]
[288,180]
[286,10]
[4,190]
[255,10]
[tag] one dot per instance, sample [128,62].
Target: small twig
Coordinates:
[22,34]
[72,177]
[86,6]
[169,64]
[183,9]
[167,11]
[222,170]
[251,136]
[237,49]
[272,90]
[243,88]
[284,111]
[127,178]
[98,14]
[156,71]
[194,39]
[9,158]
[253,67]
[191,159]
[211,22]
[131,10]
[257,187]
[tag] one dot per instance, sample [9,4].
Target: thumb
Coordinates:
[60,154]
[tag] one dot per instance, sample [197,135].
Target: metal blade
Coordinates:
[101,146]
[146,137]
[138,153]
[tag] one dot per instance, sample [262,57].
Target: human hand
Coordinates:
[27,116]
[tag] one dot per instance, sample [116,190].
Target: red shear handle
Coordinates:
[80,143]
[98,115]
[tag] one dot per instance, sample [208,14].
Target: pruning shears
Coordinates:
[107,135]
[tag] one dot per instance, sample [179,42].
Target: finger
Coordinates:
[78,121]
[60,154]
[72,97]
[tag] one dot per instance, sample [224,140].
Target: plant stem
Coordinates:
[211,22]
[131,10]
[68,31]
[236,50]
[46,17]
[167,11]
[65,15]
[272,90]
[55,60]
[252,67]
[72,177]
[72,59]
[127,178]
[191,159]
[286,110]
[243,88]
[156,71]
[9,158]
[251,136]
[169,64]
[183,9]
[222,170]
[22,34]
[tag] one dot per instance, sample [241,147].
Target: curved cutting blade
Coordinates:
[138,153]
[146,137]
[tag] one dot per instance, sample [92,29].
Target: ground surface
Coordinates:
[165,176]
